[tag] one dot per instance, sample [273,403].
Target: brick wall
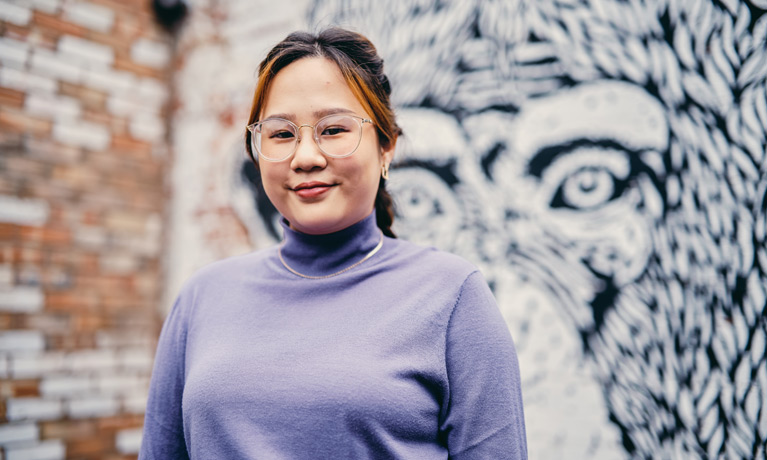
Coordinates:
[84,90]
[221,44]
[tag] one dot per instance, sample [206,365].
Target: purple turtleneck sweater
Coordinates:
[405,356]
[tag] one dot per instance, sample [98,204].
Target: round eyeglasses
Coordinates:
[337,136]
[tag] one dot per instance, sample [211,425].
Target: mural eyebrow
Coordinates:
[547,155]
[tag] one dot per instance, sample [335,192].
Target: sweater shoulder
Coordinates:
[431,261]
[228,269]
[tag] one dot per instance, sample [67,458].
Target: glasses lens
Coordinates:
[274,139]
[338,135]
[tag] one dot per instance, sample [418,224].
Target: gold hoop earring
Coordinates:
[385,171]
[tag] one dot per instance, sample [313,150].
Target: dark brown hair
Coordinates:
[361,67]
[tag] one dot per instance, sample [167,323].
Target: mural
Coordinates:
[603,163]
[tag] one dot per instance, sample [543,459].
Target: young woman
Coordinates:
[343,342]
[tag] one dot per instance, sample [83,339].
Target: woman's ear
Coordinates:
[387,153]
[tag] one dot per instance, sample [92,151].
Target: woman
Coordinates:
[343,342]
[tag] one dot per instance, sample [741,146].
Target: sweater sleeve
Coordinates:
[484,416]
[163,425]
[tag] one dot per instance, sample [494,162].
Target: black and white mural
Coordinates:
[603,162]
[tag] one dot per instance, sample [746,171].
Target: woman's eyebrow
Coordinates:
[284,116]
[317,114]
[330,111]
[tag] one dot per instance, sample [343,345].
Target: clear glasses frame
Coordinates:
[255,135]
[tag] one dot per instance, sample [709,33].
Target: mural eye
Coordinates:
[586,178]
[586,188]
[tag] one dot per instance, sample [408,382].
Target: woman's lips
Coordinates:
[311,189]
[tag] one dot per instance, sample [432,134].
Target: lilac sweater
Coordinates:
[405,356]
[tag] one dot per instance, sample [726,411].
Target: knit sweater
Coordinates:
[405,356]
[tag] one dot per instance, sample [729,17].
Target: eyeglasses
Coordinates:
[337,136]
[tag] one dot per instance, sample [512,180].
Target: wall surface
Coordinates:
[83,154]
[601,161]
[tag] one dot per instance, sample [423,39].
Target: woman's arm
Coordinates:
[484,416]
[163,425]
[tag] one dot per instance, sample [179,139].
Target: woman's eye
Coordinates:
[334,130]
[588,187]
[284,134]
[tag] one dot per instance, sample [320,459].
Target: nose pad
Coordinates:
[308,154]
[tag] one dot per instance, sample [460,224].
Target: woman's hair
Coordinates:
[362,69]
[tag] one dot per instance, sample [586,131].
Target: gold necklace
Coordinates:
[369,255]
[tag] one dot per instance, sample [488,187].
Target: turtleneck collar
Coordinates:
[319,255]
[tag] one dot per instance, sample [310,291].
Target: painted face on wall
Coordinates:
[560,201]
[577,172]
[318,194]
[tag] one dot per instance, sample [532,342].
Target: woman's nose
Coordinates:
[308,155]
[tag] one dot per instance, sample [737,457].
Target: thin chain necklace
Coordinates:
[369,255]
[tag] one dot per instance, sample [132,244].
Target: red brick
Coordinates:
[5,321]
[23,388]
[56,24]
[91,99]
[121,422]
[131,146]
[11,98]
[70,429]
[25,167]
[76,177]
[19,122]
[46,236]
[87,322]
[91,447]
[8,232]
[124,63]
[71,301]
[52,151]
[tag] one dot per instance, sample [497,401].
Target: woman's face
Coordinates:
[315,193]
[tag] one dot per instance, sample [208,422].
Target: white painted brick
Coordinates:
[52,65]
[89,15]
[110,81]
[52,106]
[120,383]
[112,339]
[82,134]
[25,81]
[23,211]
[21,340]
[33,409]
[35,365]
[22,299]
[150,53]
[128,441]
[151,89]
[136,358]
[148,128]
[127,106]
[136,403]
[6,278]
[85,51]
[89,360]
[13,52]
[91,237]
[46,450]
[65,385]
[15,14]
[119,263]
[46,6]
[100,406]
[16,432]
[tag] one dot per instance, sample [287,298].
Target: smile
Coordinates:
[312,189]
